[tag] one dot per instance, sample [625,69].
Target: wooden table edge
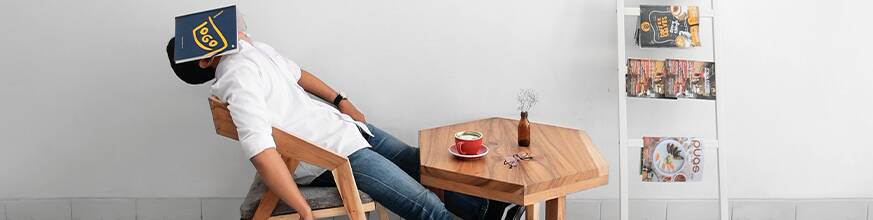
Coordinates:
[439,172]
[517,198]
[565,190]
[453,186]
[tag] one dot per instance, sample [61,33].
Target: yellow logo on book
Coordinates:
[204,37]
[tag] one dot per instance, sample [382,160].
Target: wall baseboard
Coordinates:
[740,209]
[577,209]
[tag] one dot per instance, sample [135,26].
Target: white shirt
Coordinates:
[260,86]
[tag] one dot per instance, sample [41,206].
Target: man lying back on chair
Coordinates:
[265,89]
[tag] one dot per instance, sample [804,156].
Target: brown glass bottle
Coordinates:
[523,131]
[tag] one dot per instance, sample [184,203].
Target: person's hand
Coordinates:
[346,107]
[243,36]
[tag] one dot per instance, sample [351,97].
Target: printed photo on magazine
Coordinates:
[671,159]
[668,26]
[646,78]
[691,79]
[677,78]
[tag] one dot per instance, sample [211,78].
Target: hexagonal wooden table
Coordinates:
[565,161]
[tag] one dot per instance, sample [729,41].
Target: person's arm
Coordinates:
[242,89]
[315,86]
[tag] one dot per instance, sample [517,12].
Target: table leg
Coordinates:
[556,208]
[530,212]
[439,192]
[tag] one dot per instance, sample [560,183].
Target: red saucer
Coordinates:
[482,152]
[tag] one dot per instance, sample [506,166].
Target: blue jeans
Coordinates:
[389,172]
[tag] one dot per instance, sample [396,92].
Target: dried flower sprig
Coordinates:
[527,98]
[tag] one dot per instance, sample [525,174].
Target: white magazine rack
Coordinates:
[646,114]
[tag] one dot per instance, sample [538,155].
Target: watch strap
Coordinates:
[339,98]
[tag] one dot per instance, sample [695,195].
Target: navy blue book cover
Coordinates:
[206,34]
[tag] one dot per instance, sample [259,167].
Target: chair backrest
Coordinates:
[221,118]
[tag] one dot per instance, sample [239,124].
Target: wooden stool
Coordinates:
[293,151]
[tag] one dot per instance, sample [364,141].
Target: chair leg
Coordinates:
[382,212]
[531,212]
[345,182]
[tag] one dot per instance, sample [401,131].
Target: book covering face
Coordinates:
[206,34]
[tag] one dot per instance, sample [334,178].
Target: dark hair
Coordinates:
[190,71]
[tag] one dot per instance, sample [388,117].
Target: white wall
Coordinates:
[795,77]
[91,108]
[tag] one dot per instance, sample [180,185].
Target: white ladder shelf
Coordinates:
[716,144]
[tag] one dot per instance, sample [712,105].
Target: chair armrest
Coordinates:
[288,145]
[293,147]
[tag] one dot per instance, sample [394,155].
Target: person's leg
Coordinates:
[407,158]
[391,187]
[404,156]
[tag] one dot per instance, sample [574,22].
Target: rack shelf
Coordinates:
[670,99]
[638,143]
[635,11]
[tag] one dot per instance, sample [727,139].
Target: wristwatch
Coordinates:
[339,98]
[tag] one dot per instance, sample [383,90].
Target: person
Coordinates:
[264,90]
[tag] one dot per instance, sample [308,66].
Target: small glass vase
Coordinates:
[523,131]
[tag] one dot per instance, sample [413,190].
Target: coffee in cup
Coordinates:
[469,142]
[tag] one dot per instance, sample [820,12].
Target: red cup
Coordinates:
[469,142]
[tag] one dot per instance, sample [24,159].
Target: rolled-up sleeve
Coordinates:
[295,69]
[241,87]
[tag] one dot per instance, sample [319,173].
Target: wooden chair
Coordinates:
[293,151]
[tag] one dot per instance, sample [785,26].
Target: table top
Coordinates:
[565,161]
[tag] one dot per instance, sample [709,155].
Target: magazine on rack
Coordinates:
[690,79]
[645,78]
[668,26]
[671,159]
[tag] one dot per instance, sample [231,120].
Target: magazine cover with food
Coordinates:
[645,78]
[668,26]
[671,159]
